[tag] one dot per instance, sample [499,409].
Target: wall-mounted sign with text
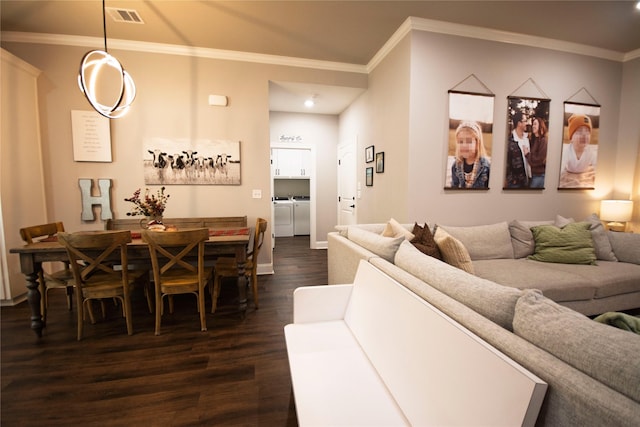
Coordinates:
[91,137]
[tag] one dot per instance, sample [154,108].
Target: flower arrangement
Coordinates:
[152,205]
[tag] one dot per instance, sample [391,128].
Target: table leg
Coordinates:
[241,258]
[33,297]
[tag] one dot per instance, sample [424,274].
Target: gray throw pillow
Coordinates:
[522,237]
[626,246]
[601,243]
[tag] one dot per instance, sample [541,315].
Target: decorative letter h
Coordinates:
[104,199]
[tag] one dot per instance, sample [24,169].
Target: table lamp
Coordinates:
[617,212]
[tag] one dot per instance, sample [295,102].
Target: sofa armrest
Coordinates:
[320,303]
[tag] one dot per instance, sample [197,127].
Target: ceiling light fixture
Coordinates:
[310,102]
[107,86]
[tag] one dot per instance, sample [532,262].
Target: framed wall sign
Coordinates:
[369,177]
[380,162]
[91,134]
[368,154]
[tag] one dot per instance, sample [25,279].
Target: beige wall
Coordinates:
[439,62]
[627,178]
[172,102]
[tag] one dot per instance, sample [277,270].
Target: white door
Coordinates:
[347,184]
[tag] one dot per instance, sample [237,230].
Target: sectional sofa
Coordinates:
[592,369]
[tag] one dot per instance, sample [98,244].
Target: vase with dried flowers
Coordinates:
[152,206]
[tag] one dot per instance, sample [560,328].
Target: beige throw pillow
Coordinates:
[395,229]
[453,252]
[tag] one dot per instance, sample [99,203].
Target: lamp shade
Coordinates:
[616,210]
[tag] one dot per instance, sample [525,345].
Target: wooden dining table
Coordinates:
[222,242]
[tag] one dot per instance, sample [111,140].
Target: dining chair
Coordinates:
[100,268]
[58,279]
[173,273]
[228,267]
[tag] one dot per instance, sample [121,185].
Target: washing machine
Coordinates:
[301,217]
[283,218]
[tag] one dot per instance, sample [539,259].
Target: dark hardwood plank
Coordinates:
[235,374]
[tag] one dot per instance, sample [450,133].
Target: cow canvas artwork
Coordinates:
[212,162]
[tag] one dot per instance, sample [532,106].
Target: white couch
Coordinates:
[374,353]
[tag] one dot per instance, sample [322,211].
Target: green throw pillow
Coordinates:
[571,244]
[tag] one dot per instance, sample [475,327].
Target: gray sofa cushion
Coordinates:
[601,351]
[384,247]
[493,301]
[484,241]
[523,273]
[626,246]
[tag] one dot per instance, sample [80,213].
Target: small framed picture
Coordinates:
[368,154]
[380,162]
[369,176]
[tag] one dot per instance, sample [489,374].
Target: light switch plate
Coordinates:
[257,194]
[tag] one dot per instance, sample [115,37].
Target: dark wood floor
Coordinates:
[235,374]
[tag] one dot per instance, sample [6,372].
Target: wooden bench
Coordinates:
[375,353]
[209,222]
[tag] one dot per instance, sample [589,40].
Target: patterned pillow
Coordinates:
[571,244]
[453,252]
[423,241]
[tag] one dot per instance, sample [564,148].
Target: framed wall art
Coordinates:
[527,139]
[380,162]
[369,177]
[580,142]
[469,140]
[368,154]
[174,162]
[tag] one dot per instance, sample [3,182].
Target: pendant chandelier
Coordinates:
[104,82]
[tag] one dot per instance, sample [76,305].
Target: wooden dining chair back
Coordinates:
[58,279]
[100,268]
[173,273]
[228,267]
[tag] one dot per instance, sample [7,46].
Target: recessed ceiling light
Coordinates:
[638,5]
[309,103]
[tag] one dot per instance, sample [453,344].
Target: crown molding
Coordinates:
[172,49]
[429,25]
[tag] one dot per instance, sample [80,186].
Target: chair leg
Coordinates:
[254,289]
[215,293]
[158,310]
[128,316]
[147,294]
[203,318]
[170,304]
[69,290]
[92,316]
[80,305]
[43,297]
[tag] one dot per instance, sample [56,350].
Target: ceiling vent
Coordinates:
[125,15]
